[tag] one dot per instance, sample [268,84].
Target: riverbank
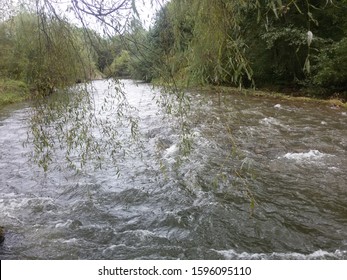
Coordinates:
[12,91]
[2,234]
[334,102]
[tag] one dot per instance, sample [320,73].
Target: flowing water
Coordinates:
[262,181]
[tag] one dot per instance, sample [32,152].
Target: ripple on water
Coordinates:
[310,156]
[317,255]
[290,159]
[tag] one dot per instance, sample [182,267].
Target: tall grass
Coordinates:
[12,91]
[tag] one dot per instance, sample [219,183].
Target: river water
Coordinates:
[263,179]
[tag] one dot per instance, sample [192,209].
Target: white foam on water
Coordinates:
[278,106]
[171,150]
[196,133]
[13,217]
[270,121]
[63,224]
[11,203]
[112,248]
[333,168]
[72,240]
[310,155]
[170,153]
[141,234]
[319,254]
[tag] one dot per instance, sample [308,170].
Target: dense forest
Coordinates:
[275,44]
[296,46]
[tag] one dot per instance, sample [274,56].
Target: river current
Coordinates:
[263,179]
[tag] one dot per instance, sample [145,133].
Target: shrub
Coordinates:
[12,91]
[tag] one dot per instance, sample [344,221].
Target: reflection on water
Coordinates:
[262,180]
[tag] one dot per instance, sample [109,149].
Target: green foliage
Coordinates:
[12,91]
[201,43]
[100,49]
[146,53]
[43,51]
[120,66]
[246,42]
[279,55]
[239,43]
[279,49]
[331,68]
[72,130]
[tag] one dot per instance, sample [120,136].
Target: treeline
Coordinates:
[282,45]
[277,44]
[42,52]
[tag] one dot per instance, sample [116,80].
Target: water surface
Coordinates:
[264,179]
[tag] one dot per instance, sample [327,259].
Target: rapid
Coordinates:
[263,179]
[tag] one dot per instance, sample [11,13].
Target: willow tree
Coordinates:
[246,42]
[45,52]
[200,42]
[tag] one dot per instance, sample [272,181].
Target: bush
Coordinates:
[119,66]
[12,91]
[331,70]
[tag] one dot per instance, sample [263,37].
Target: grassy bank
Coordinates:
[12,91]
[294,96]
[303,95]
[299,96]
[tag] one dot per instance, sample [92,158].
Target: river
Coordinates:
[263,179]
